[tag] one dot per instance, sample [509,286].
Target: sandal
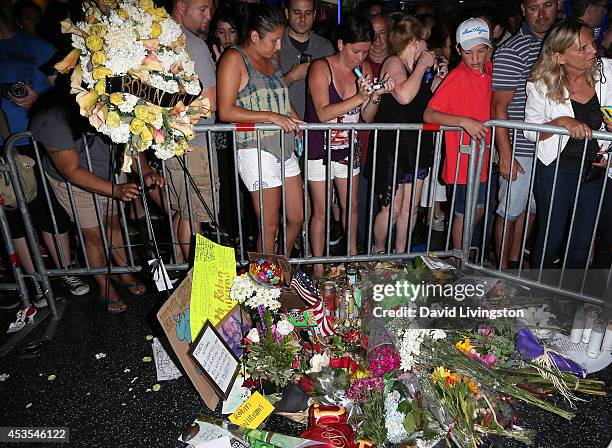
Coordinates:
[134,288]
[114,305]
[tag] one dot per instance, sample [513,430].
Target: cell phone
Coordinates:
[305,58]
[606,111]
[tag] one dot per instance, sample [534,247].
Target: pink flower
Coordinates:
[386,360]
[488,359]
[487,332]
[359,389]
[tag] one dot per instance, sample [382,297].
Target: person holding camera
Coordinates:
[340,90]
[299,46]
[25,75]
[412,67]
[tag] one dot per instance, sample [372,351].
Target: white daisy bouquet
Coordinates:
[133,78]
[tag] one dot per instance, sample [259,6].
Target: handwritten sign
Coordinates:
[214,268]
[252,412]
[215,358]
[174,319]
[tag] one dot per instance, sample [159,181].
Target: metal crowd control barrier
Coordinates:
[163,242]
[560,280]
[54,311]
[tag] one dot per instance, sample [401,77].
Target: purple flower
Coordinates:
[487,332]
[488,360]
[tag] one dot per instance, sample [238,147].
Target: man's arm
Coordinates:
[500,101]
[210,92]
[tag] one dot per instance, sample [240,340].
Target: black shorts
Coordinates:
[38,208]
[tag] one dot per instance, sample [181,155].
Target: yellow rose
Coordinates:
[101,86]
[181,147]
[97,29]
[159,13]
[116,98]
[147,4]
[146,134]
[113,119]
[86,100]
[123,13]
[136,125]
[140,111]
[98,58]
[94,43]
[101,72]
[156,30]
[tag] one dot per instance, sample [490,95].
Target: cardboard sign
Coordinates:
[174,317]
[252,412]
[214,268]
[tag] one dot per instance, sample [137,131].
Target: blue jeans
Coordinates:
[565,196]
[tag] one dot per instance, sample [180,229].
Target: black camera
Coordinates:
[17,89]
[305,58]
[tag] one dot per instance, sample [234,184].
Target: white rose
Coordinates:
[284,327]
[253,335]
[318,361]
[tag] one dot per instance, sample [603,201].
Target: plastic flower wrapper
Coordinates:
[539,320]
[330,386]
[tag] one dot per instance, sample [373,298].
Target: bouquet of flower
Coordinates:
[133,78]
[272,352]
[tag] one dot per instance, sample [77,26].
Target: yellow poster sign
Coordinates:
[214,268]
[252,412]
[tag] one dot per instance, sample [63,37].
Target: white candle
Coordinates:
[591,317]
[578,325]
[606,345]
[597,334]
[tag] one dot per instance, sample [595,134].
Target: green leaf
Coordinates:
[409,423]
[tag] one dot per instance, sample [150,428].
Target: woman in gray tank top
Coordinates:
[251,89]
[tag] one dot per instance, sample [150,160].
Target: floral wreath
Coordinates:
[132,77]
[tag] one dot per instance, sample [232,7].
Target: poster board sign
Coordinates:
[174,317]
[215,359]
[214,268]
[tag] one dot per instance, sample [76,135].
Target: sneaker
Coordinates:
[40,302]
[335,233]
[75,285]
[438,225]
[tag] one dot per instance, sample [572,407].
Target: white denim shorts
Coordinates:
[317,171]
[271,176]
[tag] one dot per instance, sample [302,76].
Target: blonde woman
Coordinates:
[407,65]
[567,88]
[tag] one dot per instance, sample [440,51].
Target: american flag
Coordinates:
[324,321]
[305,288]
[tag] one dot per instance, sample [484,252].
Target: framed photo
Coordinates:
[215,359]
[233,328]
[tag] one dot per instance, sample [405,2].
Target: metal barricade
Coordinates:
[561,278]
[162,241]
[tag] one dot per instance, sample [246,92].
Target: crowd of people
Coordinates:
[381,64]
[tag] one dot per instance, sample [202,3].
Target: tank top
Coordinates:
[340,140]
[390,111]
[267,94]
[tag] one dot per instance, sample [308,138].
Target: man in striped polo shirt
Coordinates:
[512,65]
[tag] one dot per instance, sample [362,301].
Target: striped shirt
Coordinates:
[512,65]
[267,94]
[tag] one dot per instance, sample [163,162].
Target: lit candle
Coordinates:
[591,317]
[606,345]
[597,334]
[578,325]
